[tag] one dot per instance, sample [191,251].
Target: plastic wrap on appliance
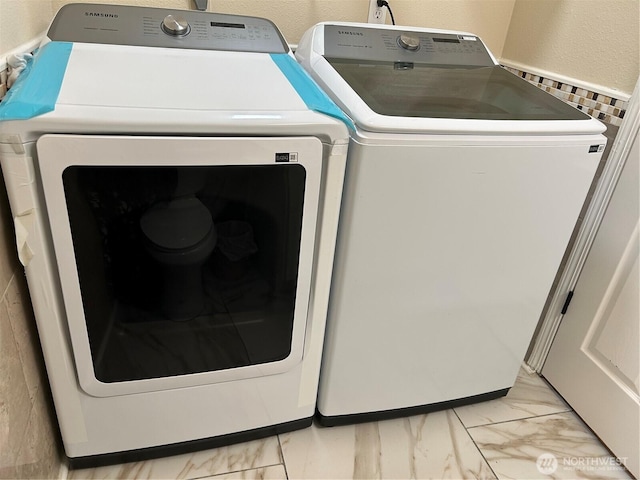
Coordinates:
[14,142]
[36,90]
[23,225]
[18,171]
[17,63]
[309,91]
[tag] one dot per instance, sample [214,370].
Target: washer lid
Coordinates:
[392,79]
[402,89]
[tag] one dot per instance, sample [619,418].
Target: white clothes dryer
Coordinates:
[175,179]
[463,185]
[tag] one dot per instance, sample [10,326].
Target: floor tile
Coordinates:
[531,396]
[15,401]
[273,472]
[23,323]
[551,446]
[424,446]
[206,463]
[39,456]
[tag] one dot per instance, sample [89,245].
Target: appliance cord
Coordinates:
[384,3]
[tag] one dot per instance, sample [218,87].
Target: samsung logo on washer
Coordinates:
[346,32]
[101,15]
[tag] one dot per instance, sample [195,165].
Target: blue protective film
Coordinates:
[308,90]
[36,89]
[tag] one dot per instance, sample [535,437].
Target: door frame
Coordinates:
[552,316]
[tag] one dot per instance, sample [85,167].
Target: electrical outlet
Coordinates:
[376,14]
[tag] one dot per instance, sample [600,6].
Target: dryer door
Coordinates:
[182,261]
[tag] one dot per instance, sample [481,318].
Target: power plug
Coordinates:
[376,14]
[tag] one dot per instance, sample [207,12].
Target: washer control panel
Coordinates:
[159,27]
[394,45]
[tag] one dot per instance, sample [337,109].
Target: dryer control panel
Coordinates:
[395,45]
[159,27]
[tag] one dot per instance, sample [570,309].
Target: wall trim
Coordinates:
[593,87]
[550,321]
[26,47]
[609,109]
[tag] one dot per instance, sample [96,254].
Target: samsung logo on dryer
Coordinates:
[100,14]
[347,32]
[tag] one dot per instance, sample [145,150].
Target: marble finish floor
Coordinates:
[529,434]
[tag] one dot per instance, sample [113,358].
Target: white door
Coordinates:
[594,360]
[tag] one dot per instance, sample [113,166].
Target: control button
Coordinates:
[409,42]
[176,26]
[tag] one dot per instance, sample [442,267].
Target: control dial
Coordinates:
[409,42]
[176,26]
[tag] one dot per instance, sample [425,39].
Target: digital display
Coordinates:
[227,25]
[446,40]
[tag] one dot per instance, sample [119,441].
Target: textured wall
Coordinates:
[22,21]
[596,41]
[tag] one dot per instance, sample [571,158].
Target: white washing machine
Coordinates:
[175,180]
[463,186]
